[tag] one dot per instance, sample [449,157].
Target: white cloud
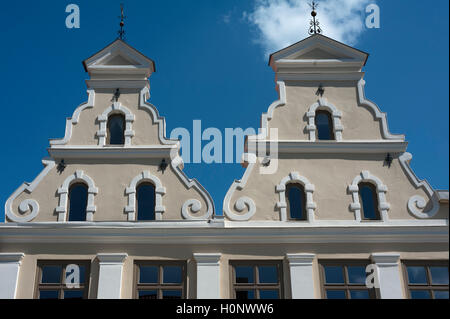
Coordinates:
[281,23]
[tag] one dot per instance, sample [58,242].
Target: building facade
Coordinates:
[328,200]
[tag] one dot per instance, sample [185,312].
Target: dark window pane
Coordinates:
[82,274]
[148,294]
[334,275]
[440,294]
[359,294]
[245,294]
[439,275]
[268,274]
[78,195]
[51,274]
[356,274]
[244,274]
[148,274]
[172,275]
[116,129]
[336,294]
[73,294]
[420,294]
[369,203]
[417,275]
[171,294]
[146,202]
[268,294]
[297,202]
[324,126]
[49,294]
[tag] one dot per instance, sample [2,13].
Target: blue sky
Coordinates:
[211,59]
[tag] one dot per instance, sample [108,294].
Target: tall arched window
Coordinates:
[78,200]
[116,130]
[296,202]
[324,125]
[369,201]
[145,197]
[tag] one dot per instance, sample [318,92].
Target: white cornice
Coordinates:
[96,152]
[247,233]
[352,147]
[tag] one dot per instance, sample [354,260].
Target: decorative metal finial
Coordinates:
[122,17]
[314,24]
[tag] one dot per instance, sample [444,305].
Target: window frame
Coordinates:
[108,131]
[256,286]
[330,125]
[346,286]
[160,286]
[61,286]
[144,183]
[288,203]
[429,286]
[373,189]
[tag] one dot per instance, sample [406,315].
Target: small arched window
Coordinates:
[369,201]
[145,202]
[116,130]
[78,199]
[296,202]
[324,125]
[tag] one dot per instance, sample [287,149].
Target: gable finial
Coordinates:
[314,24]
[121,32]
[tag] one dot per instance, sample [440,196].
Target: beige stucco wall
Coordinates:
[358,121]
[144,126]
[34,253]
[331,174]
[112,177]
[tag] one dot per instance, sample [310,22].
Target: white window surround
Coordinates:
[336,115]
[208,275]
[381,190]
[131,192]
[295,177]
[116,108]
[78,177]
[110,275]
[302,275]
[389,275]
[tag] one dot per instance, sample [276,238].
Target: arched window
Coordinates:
[324,125]
[369,201]
[78,200]
[146,199]
[296,202]
[116,130]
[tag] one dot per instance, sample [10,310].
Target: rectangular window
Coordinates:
[426,279]
[345,280]
[160,280]
[257,280]
[63,280]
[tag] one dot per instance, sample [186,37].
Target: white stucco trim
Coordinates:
[247,203]
[70,122]
[63,191]
[417,203]
[9,274]
[208,275]
[110,275]
[115,108]
[323,104]
[388,268]
[145,176]
[381,190]
[295,177]
[27,204]
[302,277]
[380,116]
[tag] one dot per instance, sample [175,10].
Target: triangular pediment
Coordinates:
[119,57]
[319,48]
